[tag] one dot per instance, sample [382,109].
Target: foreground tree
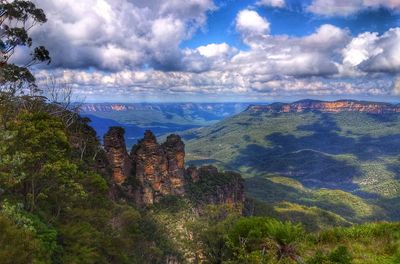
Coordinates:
[16,19]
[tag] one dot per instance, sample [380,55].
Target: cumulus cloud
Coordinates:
[249,22]
[136,85]
[134,48]
[346,7]
[291,56]
[369,52]
[113,35]
[273,3]
[213,50]
[385,56]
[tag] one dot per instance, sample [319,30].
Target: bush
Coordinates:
[258,236]
[341,255]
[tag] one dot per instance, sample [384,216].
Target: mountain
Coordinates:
[133,132]
[327,107]
[153,171]
[67,198]
[161,118]
[341,156]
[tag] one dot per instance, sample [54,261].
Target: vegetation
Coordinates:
[343,163]
[55,204]
[220,235]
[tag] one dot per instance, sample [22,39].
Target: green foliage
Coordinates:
[52,190]
[41,171]
[16,18]
[19,245]
[258,236]
[341,255]
[209,233]
[344,163]
[210,181]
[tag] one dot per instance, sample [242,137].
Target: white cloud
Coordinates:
[360,49]
[273,3]
[249,22]
[369,52]
[385,3]
[292,56]
[114,35]
[212,50]
[135,46]
[335,7]
[137,85]
[348,7]
[327,37]
[385,57]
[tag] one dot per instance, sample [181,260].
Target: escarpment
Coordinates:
[152,171]
[327,107]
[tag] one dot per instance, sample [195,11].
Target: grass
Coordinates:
[370,243]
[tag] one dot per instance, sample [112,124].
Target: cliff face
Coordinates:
[327,107]
[158,168]
[214,187]
[154,170]
[120,162]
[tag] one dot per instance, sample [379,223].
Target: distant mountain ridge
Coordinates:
[217,109]
[340,156]
[327,107]
[161,118]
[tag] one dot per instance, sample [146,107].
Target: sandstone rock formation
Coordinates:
[114,145]
[152,171]
[328,107]
[159,168]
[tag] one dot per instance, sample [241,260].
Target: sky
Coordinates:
[222,50]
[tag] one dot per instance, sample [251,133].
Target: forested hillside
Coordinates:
[66,198]
[342,157]
[56,208]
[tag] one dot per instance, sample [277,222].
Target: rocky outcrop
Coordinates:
[152,171]
[118,158]
[159,169]
[327,107]
[209,186]
[175,153]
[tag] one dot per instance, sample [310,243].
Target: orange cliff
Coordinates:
[152,171]
[327,107]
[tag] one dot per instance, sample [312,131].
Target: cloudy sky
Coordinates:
[223,50]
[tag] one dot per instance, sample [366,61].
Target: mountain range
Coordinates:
[161,118]
[340,158]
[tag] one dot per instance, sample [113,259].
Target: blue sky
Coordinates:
[291,20]
[222,50]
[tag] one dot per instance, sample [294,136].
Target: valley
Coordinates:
[191,147]
[342,159]
[325,163]
[161,118]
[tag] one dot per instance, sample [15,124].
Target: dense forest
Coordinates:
[56,204]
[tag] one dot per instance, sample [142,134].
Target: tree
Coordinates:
[16,19]
[36,163]
[18,245]
[61,100]
[209,231]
